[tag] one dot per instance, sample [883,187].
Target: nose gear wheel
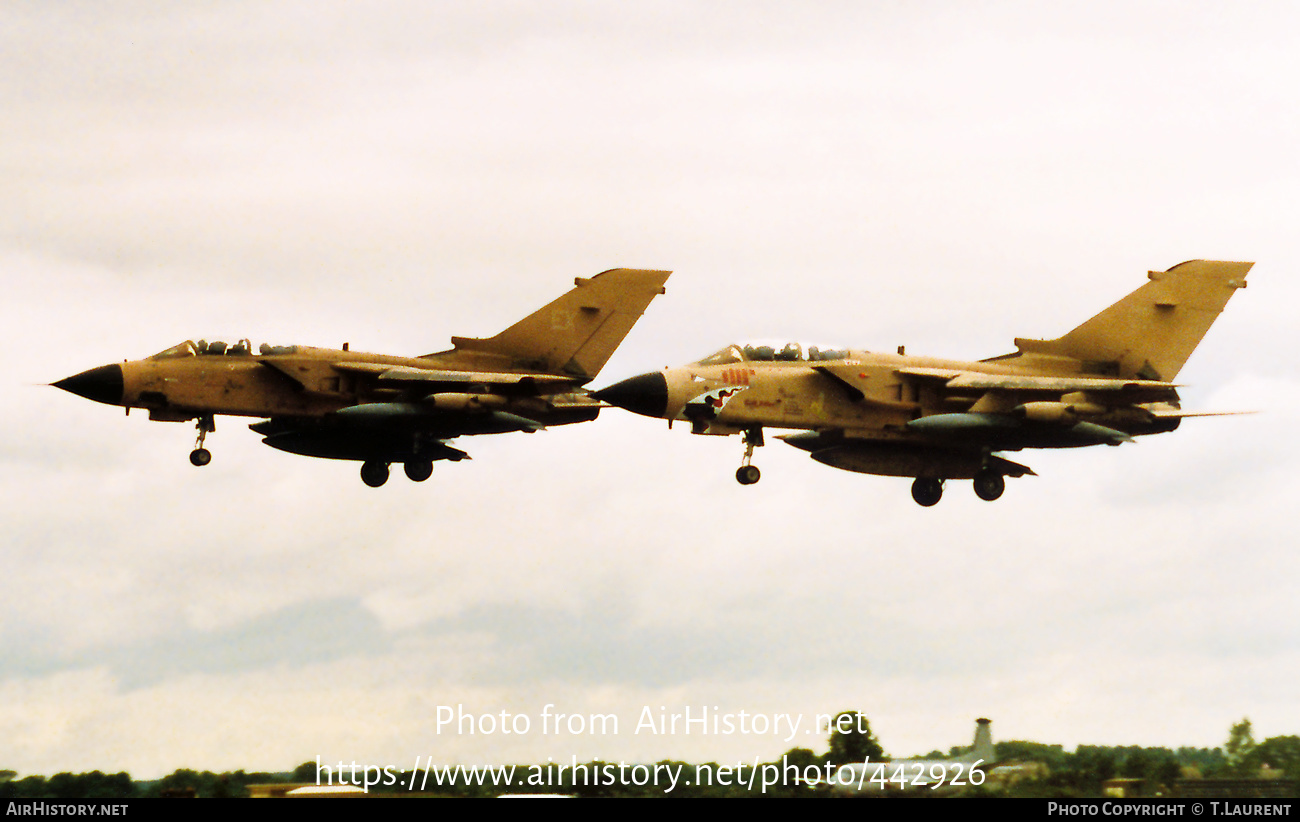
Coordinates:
[201,456]
[748,474]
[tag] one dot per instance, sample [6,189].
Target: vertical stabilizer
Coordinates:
[576,334]
[1150,333]
[984,741]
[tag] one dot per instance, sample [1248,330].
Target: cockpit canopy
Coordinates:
[773,352]
[203,348]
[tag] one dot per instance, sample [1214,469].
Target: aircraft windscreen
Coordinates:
[727,355]
[185,349]
[773,352]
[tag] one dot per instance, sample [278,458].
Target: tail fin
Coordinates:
[576,334]
[984,741]
[1150,333]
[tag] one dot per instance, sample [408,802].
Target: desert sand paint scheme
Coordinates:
[383,409]
[1105,382]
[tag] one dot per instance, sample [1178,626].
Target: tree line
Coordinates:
[1078,773]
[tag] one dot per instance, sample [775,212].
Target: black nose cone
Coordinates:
[644,394]
[103,384]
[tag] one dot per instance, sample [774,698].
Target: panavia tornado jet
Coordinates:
[383,409]
[1105,382]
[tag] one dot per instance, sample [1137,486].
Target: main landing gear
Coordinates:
[418,470]
[375,473]
[988,484]
[927,491]
[748,474]
[201,456]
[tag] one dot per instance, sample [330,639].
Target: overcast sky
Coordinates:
[944,175]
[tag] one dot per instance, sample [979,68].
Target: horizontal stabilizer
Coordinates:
[1175,414]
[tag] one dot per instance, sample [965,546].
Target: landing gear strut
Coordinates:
[927,491]
[374,473]
[201,456]
[748,474]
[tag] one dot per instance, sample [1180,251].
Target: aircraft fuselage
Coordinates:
[344,404]
[1103,383]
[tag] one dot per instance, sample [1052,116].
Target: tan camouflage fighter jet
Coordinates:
[382,409]
[1105,382]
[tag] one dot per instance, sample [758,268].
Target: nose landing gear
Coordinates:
[748,474]
[201,456]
